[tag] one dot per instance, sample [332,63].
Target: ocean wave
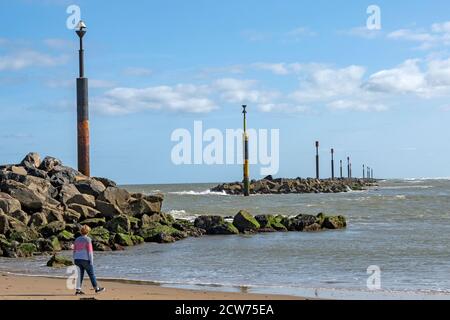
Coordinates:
[425,179]
[199,193]
[181,214]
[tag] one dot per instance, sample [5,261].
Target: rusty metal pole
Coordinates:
[342,176]
[82,109]
[317,160]
[246,169]
[332,164]
[348,167]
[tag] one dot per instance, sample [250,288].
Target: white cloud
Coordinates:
[178,98]
[137,72]
[242,91]
[405,78]
[323,83]
[299,33]
[437,35]
[357,105]
[282,108]
[56,43]
[30,58]
[362,32]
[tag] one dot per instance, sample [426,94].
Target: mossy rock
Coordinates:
[26,250]
[335,222]
[270,223]
[119,224]
[98,246]
[137,239]
[55,243]
[94,222]
[123,239]
[57,261]
[215,225]
[53,228]
[100,234]
[65,236]
[27,235]
[245,222]
[153,233]
[134,223]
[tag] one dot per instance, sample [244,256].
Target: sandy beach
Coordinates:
[13,287]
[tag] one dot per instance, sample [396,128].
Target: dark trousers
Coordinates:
[85,265]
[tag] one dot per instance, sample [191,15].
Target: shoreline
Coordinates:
[32,287]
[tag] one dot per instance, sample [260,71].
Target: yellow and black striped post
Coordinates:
[246,171]
[82,109]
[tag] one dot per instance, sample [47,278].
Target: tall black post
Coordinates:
[317,160]
[82,109]
[364,172]
[368,173]
[246,169]
[371,174]
[332,164]
[342,176]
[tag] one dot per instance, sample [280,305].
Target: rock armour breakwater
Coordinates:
[268,185]
[43,205]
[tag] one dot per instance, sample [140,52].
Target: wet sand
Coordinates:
[16,287]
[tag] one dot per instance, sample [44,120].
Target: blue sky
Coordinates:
[308,68]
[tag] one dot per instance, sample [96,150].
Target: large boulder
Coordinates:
[123,240]
[38,220]
[85,211]
[29,199]
[301,221]
[336,222]
[25,234]
[140,207]
[83,199]
[66,192]
[57,261]
[61,175]
[21,216]
[26,250]
[52,228]
[119,224]
[53,214]
[4,223]
[116,196]
[8,204]
[49,163]
[31,160]
[71,216]
[107,210]
[269,223]
[161,233]
[91,187]
[19,170]
[100,234]
[106,182]
[245,222]
[94,222]
[214,225]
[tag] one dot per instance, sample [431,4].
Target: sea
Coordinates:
[396,245]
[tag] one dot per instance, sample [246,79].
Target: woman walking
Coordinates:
[83,256]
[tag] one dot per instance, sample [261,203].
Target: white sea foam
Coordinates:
[199,193]
[182,214]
